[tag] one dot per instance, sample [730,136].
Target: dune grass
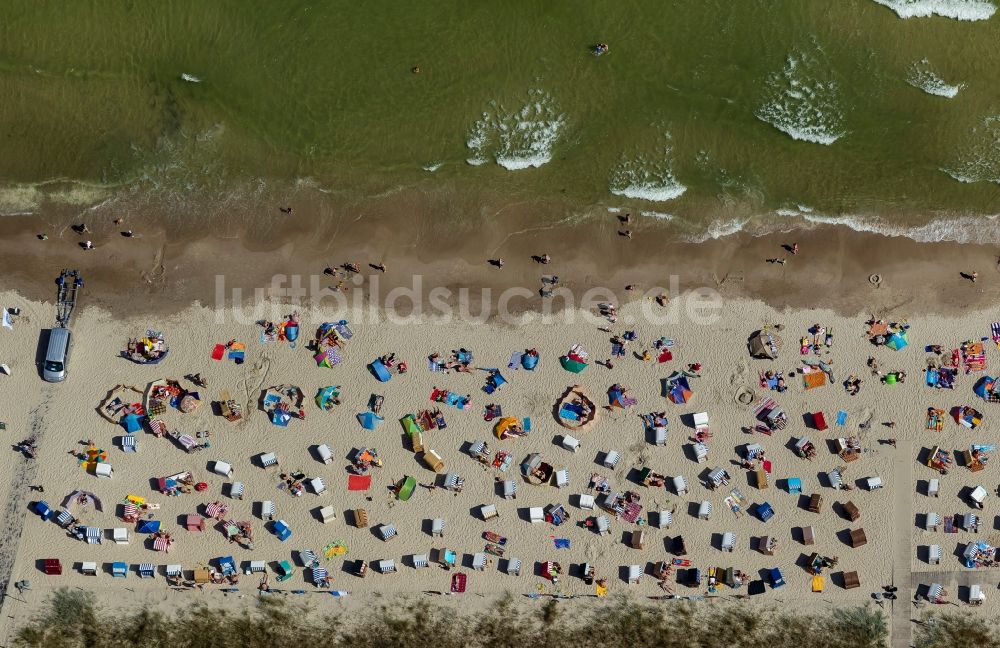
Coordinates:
[72,619]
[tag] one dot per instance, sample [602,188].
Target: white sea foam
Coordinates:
[980,229]
[923,77]
[518,139]
[190,78]
[720,229]
[980,160]
[614,210]
[658,215]
[803,100]
[957,9]
[960,229]
[647,177]
[431,168]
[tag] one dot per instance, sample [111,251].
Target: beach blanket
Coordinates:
[515,360]
[359,482]
[344,331]
[632,511]
[218,351]
[561,543]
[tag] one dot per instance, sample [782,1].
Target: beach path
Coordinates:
[902,484]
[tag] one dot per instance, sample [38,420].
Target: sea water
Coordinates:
[877,114]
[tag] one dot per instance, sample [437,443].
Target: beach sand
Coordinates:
[61,416]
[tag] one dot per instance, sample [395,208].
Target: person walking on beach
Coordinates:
[974,276]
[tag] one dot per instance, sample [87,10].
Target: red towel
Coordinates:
[359,482]
[218,351]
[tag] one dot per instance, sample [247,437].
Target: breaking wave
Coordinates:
[647,177]
[980,162]
[921,76]
[516,139]
[803,100]
[957,9]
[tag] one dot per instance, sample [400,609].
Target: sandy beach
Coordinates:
[62,417]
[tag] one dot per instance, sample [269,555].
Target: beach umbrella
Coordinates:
[405,488]
[132,423]
[571,365]
[326,395]
[409,423]
[897,341]
[984,386]
[380,371]
[504,424]
[369,420]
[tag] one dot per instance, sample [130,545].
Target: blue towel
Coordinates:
[841,417]
[562,543]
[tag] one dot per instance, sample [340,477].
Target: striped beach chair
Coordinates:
[513,566]
[267,510]
[64,519]
[437,527]
[268,459]
[161,544]
[387,532]
[419,561]
[173,570]
[236,490]
[94,535]
[387,566]
[320,577]
[308,558]
[317,485]
[216,510]
[254,566]
[129,443]
[147,570]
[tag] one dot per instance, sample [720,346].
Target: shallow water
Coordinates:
[713,111]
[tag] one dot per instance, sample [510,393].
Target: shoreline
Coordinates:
[176,260]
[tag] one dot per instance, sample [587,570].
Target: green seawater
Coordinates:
[682,105]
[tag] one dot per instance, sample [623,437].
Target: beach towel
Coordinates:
[218,351]
[515,360]
[344,331]
[841,418]
[434,366]
[359,482]
[561,543]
